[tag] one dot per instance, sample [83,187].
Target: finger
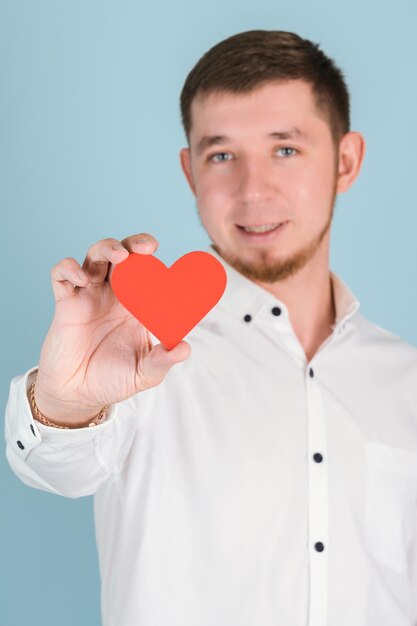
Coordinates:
[65,276]
[160,360]
[143,243]
[108,252]
[99,257]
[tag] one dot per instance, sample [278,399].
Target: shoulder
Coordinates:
[384,342]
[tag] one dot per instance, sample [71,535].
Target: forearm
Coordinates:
[66,462]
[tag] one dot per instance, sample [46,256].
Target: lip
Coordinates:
[261,237]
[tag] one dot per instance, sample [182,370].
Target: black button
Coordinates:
[311,372]
[317,457]
[32,429]
[20,444]
[276,310]
[319,546]
[247,318]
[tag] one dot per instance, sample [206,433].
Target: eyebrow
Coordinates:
[214,140]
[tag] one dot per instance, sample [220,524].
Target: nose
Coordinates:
[255,181]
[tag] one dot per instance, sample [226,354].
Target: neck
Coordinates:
[308,296]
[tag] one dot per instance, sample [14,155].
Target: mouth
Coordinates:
[261,232]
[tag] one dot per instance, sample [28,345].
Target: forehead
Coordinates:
[290,103]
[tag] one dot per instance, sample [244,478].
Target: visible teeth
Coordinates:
[260,229]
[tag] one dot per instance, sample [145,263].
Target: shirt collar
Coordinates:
[244,297]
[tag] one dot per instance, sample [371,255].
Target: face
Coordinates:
[265,173]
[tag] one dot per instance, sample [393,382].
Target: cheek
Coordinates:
[213,181]
[212,208]
[214,187]
[212,197]
[311,189]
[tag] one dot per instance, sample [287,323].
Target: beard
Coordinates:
[267,270]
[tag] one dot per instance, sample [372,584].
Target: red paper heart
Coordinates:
[169,301]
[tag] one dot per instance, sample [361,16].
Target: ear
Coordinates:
[185,159]
[351,155]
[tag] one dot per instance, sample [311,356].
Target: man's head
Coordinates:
[266,115]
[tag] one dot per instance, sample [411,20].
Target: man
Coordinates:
[270,478]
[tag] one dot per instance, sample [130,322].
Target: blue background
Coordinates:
[89,139]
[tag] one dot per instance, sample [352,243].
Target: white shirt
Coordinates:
[251,487]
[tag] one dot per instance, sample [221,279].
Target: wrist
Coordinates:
[57,415]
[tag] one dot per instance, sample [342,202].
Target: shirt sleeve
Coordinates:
[67,462]
[413,572]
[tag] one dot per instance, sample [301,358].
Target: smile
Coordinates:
[264,228]
[261,232]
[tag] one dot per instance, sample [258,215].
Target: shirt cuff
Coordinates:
[24,433]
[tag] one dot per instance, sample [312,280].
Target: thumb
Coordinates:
[160,360]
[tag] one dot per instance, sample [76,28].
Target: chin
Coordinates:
[260,266]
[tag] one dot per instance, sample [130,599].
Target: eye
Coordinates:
[287,148]
[219,154]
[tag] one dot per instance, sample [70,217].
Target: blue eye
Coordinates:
[211,158]
[287,148]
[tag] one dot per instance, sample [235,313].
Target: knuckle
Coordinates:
[110,241]
[93,247]
[102,245]
[66,263]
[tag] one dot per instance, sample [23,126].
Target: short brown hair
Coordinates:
[247,60]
